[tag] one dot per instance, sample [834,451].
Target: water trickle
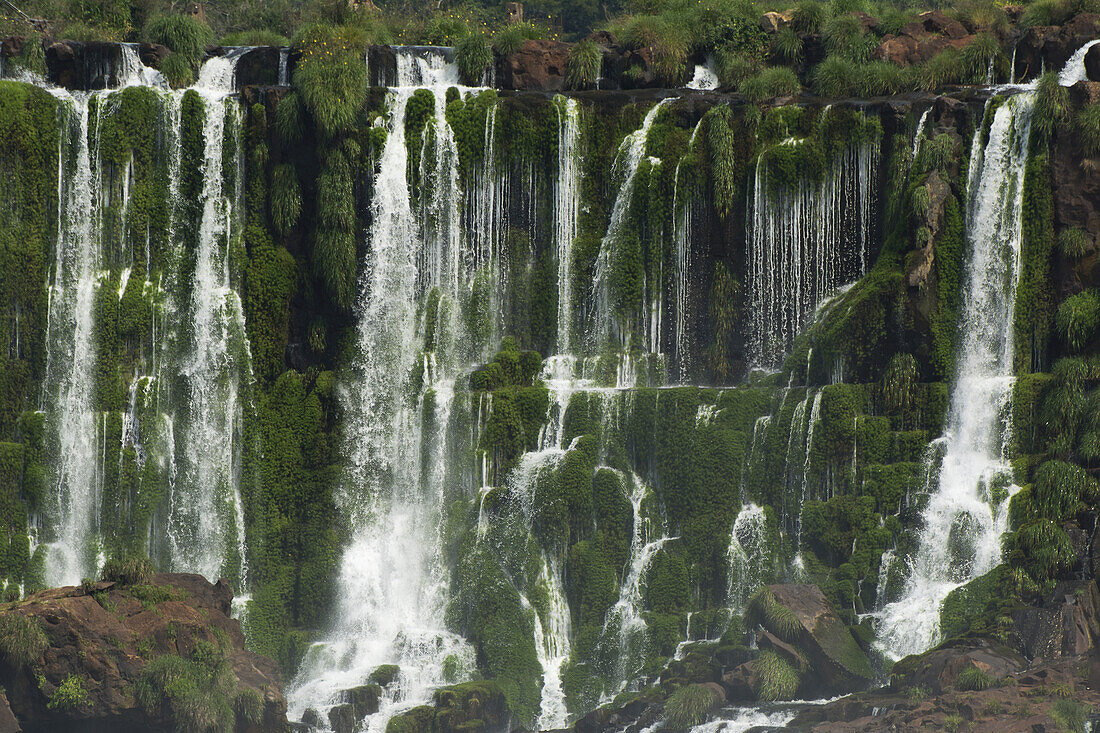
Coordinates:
[682,211]
[748,555]
[804,241]
[552,647]
[967,509]
[918,136]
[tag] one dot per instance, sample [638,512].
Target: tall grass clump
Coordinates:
[182,34]
[778,680]
[1077,320]
[974,679]
[334,247]
[787,45]
[473,56]
[844,36]
[196,693]
[128,571]
[1051,104]
[286,197]
[666,41]
[254,37]
[775,81]
[733,67]
[688,706]
[809,16]
[22,640]
[585,63]
[765,609]
[836,76]
[1074,243]
[331,76]
[511,38]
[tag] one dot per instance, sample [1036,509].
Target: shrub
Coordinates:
[254,37]
[249,707]
[585,63]
[288,119]
[1088,129]
[778,680]
[946,67]
[22,640]
[787,45]
[878,78]
[1077,320]
[732,68]
[836,76]
[331,76]
[975,679]
[473,56]
[183,34]
[1074,242]
[776,81]
[129,571]
[178,71]
[979,54]
[198,693]
[1044,12]
[1069,714]
[1051,104]
[688,706]
[666,41]
[844,36]
[511,38]
[286,197]
[69,695]
[809,16]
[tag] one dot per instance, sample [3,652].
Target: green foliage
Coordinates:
[22,640]
[183,34]
[286,197]
[778,680]
[1070,715]
[511,38]
[254,37]
[688,706]
[335,243]
[809,16]
[836,76]
[1051,104]
[128,571]
[473,56]
[178,71]
[197,693]
[732,68]
[787,45]
[1078,319]
[844,37]
[764,609]
[1087,123]
[1074,243]
[975,679]
[666,41]
[289,121]
[583,68]
[69,695]
[776,81]
[330,75]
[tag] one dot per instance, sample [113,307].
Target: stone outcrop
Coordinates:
[923,38]
[1050,47]
[538,66]
[104,635]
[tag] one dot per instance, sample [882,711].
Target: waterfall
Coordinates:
[552,647]
[918,136]
[393,581]
[70,366]
[748,555]
[804,241]
[629,157]
[682,241]
[1074,70]
[567,194]
[704,78]
[967,510]
[205,518]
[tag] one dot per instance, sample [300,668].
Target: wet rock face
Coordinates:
[75,65]
[1049,47]
[105,635]
[923,38]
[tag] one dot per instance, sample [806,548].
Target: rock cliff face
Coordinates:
[157,655]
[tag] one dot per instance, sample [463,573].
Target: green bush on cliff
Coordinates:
[1087,123]
[128,571]
[197,693]
[1078,319]
[776,81]
[473,56]
[22,640]
[331,76]
[688,706]
[1051,104]
[511,38]
[583,67]
[183,34]
[69,695]
[1074,243]
[778,680]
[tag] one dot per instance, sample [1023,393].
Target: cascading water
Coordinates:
[69,384]
[205,516]
[748,555]
[392,581]
[800,245]
[682,209]
[552,646]
[1074,70]
[703,78]
[629,157]
[967,508]
[567,190]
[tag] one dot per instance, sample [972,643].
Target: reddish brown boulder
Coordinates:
[538,66]
[106,634]
[934,23]
[152,54]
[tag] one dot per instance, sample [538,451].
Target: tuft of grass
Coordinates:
[585,63]
[249,707]
[775,81]
[778,679]
[286,197]
[69,695]
[836,76]
[1074,243]
[975,679]
[1051,104]
[198,693]
[787,45]
[178,71]
[844,36]
[733,68]
[984,50]
[511,38]
[916,694]
[473,56]
[953,723]
[946,67]
[763,608]
[1078,320]
[288,119]
[151,595]
[666,41]
[331,76]
[182,34]
[128,571]
[1087,123]
[22,640]
[809,16]
[688,706]
[1070,715]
